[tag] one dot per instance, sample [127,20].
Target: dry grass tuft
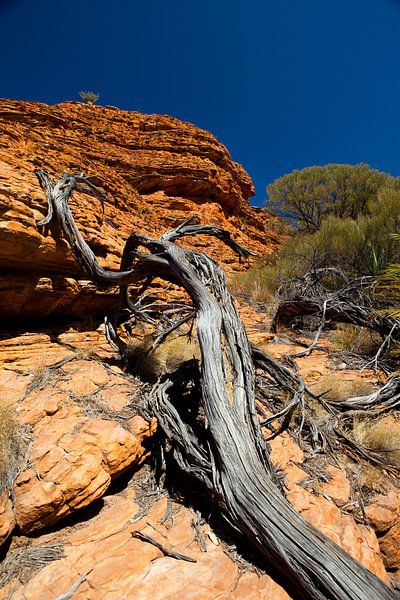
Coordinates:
[85,354]
[371,480]
[350,338]
[165,359]
[333,386]
[94,407]
[13,447]
[381,435]
[24,562]
[257,284]
[40,376]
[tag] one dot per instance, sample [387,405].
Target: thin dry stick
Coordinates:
[385,344]
[164,550]
[69,594]
[311,347]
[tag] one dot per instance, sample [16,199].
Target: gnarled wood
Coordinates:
[336,312]
[308,296]
[227,452]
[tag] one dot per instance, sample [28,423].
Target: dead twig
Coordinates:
[166,551]
[69,594]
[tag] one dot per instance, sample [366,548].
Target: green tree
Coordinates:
[311,194]
[366,245]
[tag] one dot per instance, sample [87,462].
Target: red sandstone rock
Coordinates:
[7,519]
[380,518]
[71,470]
[320,510]
[75,451]
[357,540]
[121,566]
[73,457]
[390,547]
[338,488]
[155,171]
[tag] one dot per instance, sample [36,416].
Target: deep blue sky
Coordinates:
[283,83]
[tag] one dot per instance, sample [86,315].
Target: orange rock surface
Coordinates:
[76,452]
[7,518]
[154,170]
[77,448]
[117,565]
[384,515]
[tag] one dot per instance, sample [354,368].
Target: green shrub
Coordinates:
[355,211]
[311,194]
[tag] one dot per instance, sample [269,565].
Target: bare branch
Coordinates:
[150,540]
[187,229]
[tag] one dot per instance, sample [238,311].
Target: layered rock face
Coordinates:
[154,170]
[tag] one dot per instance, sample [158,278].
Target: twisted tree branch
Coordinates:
[227,452]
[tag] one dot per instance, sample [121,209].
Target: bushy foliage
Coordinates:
[388,290]
[258,283]
[311,194]
[364,245]
[388,284]
[389,287]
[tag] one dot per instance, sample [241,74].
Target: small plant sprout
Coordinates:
[89,97]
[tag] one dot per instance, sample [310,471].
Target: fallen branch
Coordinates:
[351,303]
[70,593]
[166,551]
[384,346]
[385,399]
[337,311]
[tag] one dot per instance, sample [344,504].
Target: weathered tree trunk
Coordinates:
[227,453]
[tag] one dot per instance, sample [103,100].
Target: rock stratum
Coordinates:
[154,171]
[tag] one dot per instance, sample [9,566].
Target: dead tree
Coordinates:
[225,452]
[349,303]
